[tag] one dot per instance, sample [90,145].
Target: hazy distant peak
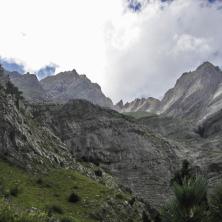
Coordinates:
[149,104]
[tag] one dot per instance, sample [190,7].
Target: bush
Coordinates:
[73,198]
[190,201]
[14,191]
[98,173]
[55,209]
[40,181]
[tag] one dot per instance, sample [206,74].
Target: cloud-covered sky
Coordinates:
[132,48]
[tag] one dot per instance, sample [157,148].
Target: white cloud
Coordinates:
[128,54]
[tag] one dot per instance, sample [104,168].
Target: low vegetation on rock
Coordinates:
[191,202]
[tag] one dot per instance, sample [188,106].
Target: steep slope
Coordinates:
[45,197]
[139,159]
[70,85]
[200,144]
[51,173]
[193,93]
[138,105]
[30,86]
[23,141]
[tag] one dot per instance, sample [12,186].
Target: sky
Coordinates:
[132,48]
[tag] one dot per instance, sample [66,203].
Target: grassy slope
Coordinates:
[54,189]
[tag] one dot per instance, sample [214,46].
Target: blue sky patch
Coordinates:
[11,66]
[134,5]
[46,71]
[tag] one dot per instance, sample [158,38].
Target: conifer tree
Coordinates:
[190,201]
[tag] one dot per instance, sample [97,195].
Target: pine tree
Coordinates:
[190,201]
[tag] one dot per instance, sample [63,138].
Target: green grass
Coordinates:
[53,189]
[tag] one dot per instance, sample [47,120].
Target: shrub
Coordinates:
[2,188]
[190,201]
[14,191]
[55,209]
[73,198]
[40,181]
[98,173]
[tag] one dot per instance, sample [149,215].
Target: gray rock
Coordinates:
[30,86]
[193,93]
[59,88]
[70,85]
[138,105]
[141,160]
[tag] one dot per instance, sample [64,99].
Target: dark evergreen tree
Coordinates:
[190,201]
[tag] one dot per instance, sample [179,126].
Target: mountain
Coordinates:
[50,157]
[59,88]
[70,85]
[42,136]
[138,105]
[139,159]
[30,86]
[119,167]
[194,94]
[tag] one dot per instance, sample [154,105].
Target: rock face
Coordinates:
[143,154]
[140,160]
[30,86]
[200,144]
[38,135]
[59,88]
[194,94]
[23,141]
[138,105]
[70,85]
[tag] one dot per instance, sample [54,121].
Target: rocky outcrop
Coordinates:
[39,136]
[60,88]
[30,86]
[194,94]
[200,144]
[140,160]
[138,105]
[23,141]
[70,85]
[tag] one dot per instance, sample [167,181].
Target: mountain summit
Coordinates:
[60,88]
[193,93]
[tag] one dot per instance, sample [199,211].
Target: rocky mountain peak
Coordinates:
[149,104]
[120,104]
[192,92]
[70,85]
[207,66]
[59,88]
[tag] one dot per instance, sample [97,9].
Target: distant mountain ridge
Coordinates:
[195,95]
[59,88]
[145,105]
